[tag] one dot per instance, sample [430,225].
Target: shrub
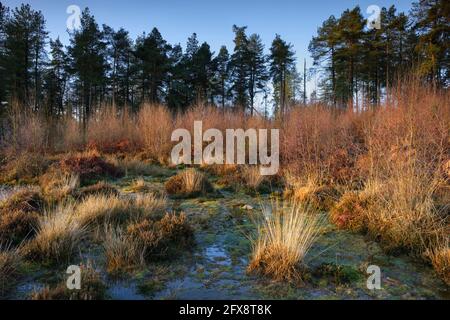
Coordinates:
[89,166]
[164,237]
[9,265]
[92,288]
[351,211]
[58,234]
[188,183]
[284,237]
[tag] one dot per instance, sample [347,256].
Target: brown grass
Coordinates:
[163,237]
[101,209]
[440,259]
[27,200]
[122,252]
[9,265]
[17,226]
[284,237]
[92,288]
[187,183]
[24,168]
[351,211]
[321,197]
[58,235]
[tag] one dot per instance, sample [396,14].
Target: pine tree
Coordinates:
[87,53]
[257,69]
[239,68]
[281,64]
[432,23]
[56,80]
[323,49]
[222,64]
[152,53]
[25,54]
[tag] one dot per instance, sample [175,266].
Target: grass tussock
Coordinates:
[24,169]
[440,260]
[58,235]
[101,209]
[163,237]
[122,252]
[57,185]
[17,226]
[321,197]
[19,216]
[100,188]
[136,166]
[9,266]
[27,200]
[189,182]
[138,185]
[92,288]
[284,237]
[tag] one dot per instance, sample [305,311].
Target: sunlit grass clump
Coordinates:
[122,252]
[101,209]
[92,288]
[190,182]
[58,235]
[284,237]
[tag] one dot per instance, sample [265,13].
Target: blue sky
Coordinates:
[295,20]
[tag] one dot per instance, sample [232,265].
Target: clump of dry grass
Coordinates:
[9,265]
[284,237]
[25,168]
[57,185]
[101,209]
[122,252]
[19,216]
[27,200]
[136,166]
[252,178]
[100,188]
[404,215]
[92,288]
[58,234]
[138,185]
[164,237]
[187,183]
[322,197]
[155,126]
[98,209]
[17,226]
[440,259]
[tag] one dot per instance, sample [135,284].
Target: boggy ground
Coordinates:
[216,265]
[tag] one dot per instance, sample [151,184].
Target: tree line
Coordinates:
[102,66]
[355,61]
